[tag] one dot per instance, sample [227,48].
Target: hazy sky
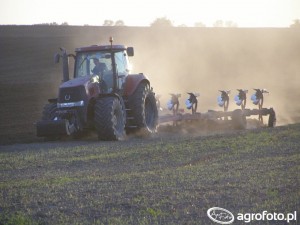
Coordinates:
[246,13]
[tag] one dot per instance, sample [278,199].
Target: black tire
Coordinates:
[238,119]
[109,119]
[272,118]
[144,109]
[49,111]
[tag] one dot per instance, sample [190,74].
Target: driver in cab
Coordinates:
[99,67]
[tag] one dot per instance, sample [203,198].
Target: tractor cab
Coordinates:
[109,64]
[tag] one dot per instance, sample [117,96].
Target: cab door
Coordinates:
[121,61]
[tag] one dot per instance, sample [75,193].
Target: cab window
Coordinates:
[92,63]
[121,63]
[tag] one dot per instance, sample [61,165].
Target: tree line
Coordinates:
[165,22]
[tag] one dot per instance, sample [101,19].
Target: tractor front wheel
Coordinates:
[109,119]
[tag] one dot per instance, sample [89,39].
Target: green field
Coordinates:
[162,180]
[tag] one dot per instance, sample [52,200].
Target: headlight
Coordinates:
[70,104]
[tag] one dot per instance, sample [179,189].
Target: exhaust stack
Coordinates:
[65,59]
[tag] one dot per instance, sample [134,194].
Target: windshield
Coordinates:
[90,63]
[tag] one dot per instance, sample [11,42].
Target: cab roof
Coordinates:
[101,48]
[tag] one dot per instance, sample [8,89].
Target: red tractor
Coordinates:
[103,96]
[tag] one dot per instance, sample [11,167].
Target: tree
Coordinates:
[64,24]
[119,23]
[162,22]
[108,23]
[219,23]
[296,24]
[230,24]
[53,24]
[199,24]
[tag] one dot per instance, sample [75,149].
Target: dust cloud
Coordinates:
[179,60]
[204,60]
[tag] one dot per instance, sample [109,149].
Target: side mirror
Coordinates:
[56,58]
[130,51]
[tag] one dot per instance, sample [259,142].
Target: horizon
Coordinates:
[149,26]
[243,14]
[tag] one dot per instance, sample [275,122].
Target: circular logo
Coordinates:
[67,97]
[220,215]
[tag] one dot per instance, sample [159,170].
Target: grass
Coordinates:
[161,180]
[16,219]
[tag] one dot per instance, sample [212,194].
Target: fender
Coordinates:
[132,82]
[109,95]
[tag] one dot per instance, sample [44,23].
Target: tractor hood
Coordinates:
[77,82]
[79,89]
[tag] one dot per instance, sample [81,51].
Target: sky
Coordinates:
[245,13]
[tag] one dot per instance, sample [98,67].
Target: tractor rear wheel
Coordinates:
[109,119]
[144,109]
[239,119]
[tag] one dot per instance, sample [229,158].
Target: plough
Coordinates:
[237,117]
